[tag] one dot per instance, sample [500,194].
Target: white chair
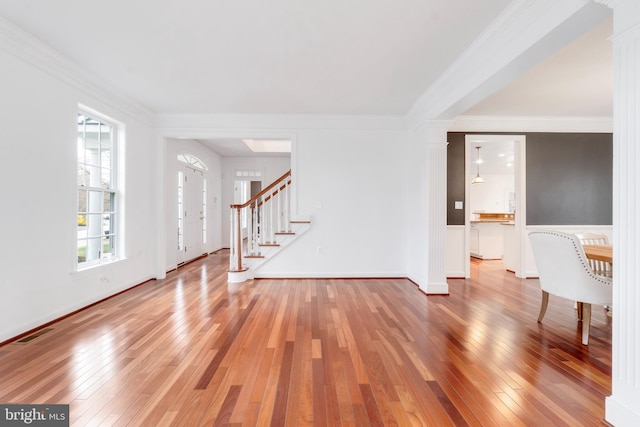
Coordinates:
[564,271]
[599,267]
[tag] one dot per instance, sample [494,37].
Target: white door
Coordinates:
[193,215]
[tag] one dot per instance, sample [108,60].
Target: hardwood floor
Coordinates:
[195,350]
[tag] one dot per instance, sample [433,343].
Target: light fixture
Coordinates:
[478,179]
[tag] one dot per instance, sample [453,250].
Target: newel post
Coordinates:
[239,239]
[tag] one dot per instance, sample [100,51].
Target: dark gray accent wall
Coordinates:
[455,177]
[569,178]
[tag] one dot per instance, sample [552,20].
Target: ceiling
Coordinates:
[261,57]
[497,157]
[576,81]
[362,57]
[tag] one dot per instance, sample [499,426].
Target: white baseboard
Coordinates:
[619,415]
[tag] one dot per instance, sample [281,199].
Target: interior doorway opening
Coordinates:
[495,214]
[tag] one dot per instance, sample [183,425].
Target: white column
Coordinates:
[428,205]
[623,406]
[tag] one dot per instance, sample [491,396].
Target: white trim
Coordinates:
[623,406]
[24,46]
[237,276]
[255,126]
[576,227]
[532,124]
[332,275]
[520,185]
[618,414]
[117,189]
[612,4]
[455,252]
[523,34]
[435,288]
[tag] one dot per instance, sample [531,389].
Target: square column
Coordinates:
[623,406]
[428,207]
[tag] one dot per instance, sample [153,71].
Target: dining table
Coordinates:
[599,252]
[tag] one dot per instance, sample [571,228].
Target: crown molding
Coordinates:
[610,3]
[524,33]
[25,47]
[532,124]
[230,123]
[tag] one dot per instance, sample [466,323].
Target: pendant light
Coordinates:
[478,179]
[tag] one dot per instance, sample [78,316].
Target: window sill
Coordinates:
[95,265]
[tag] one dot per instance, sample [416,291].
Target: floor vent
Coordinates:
[33,336]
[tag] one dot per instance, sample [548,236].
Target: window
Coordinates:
[97,190]
[248,174]
[192,161]
[204,210]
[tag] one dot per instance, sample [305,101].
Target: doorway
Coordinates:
[243,191]
[192,224]
[501,217]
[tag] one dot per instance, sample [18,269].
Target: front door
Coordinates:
[193,215]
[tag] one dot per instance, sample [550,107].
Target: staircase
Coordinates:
[261,228]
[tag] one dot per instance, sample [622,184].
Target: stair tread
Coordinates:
[269,244]
[287,233]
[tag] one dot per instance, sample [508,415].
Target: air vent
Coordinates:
[33,336]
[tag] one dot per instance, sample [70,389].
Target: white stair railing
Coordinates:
[267,213]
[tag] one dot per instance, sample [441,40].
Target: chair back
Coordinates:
[564,269]
[593,238]
[599,267]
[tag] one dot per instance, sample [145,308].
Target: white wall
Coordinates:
[272,168]
[38,204]
[215,237]
[350,177]
[353,185]
[417,209]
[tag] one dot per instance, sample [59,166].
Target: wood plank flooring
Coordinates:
[194,350]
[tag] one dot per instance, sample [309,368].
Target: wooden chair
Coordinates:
[564,271]
[599,267]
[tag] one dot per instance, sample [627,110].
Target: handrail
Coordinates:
[263,192]
[263,223]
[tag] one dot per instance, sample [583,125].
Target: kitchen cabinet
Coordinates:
[487,239]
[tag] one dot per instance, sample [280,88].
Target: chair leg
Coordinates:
[586,322]
[543,305]
[580,314]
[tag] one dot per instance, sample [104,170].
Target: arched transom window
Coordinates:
[193,161]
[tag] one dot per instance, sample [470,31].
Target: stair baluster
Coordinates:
[264,222]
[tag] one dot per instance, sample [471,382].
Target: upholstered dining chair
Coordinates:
[564,271]
[599,267]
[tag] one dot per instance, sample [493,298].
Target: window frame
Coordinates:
[111,207]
